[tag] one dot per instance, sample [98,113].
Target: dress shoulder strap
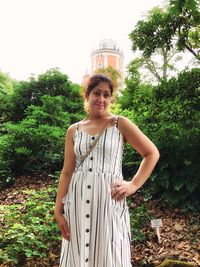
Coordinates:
[77,126]
[116,120]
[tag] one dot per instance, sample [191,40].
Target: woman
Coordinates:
[91,191]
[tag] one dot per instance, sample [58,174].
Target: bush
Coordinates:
[172,121]
[6,175]
[29,229]
[30,232]
[139,218]
[39,113]
[52,83]
[176,116]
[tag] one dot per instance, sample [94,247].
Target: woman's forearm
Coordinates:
[146,167]
[63,186]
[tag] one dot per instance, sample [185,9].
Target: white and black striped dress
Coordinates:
[99,225]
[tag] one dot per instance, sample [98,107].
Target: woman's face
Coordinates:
[99,98]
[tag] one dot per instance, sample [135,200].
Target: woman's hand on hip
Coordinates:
[122,189]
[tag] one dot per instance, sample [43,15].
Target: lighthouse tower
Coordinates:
[107,54]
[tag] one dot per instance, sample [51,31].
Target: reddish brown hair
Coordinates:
[95,79]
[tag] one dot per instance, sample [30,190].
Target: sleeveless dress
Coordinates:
[99,225]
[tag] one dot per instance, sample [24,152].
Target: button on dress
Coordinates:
[99,225]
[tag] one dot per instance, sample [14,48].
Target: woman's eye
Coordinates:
[97,93]
[107,96]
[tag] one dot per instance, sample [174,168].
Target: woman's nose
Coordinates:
[101,98]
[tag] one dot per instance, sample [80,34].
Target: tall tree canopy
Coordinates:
[52,83]
[176,27]
[34,122]
[6,83]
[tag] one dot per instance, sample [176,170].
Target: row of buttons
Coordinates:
[90,169]
[92,139]
[88,201]
[91,158]
[87,215]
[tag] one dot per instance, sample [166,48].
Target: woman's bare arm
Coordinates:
[145,148]
[64,181]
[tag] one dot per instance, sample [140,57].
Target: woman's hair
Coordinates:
[95,79]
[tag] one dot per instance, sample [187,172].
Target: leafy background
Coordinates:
[162,101]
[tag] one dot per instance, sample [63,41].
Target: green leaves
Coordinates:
[152,34]
[139,218]
[168,28]
[41,91]
[35,122]
[23,151]
[178,6]
[169,115]
[28,227]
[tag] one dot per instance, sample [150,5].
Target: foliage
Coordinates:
[52,83]
[132,81]
[139,218]
[39,113]
[169,115]
[177,26]
[114,75]
[6,88]
[177,122]
[159,66]
[6,83]
[29,229]
[134,104]
[6,175]
[35,147]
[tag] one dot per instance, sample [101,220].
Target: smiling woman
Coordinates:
[98,95]
[91,208]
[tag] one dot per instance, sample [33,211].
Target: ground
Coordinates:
[180,235]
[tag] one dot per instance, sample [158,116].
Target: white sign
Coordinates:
[156,223]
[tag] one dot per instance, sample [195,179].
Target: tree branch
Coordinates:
[193,52]
[152,68]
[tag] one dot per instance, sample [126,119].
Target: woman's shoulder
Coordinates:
[125,124]
[124,120]
[73,127]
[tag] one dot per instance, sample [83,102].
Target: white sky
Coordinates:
[36,35]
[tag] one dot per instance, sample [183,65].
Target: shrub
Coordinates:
[29,229]
[30,232]
[172,121]
[39,113]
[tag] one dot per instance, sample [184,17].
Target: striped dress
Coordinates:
[99,225]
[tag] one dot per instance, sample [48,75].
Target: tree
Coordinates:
[6,89]
[159,66]
[177,26]
[162,62]
[52,83]
[188,25]
[6,83]
[38,113]
[114,75]
[170,116]
[133,88]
